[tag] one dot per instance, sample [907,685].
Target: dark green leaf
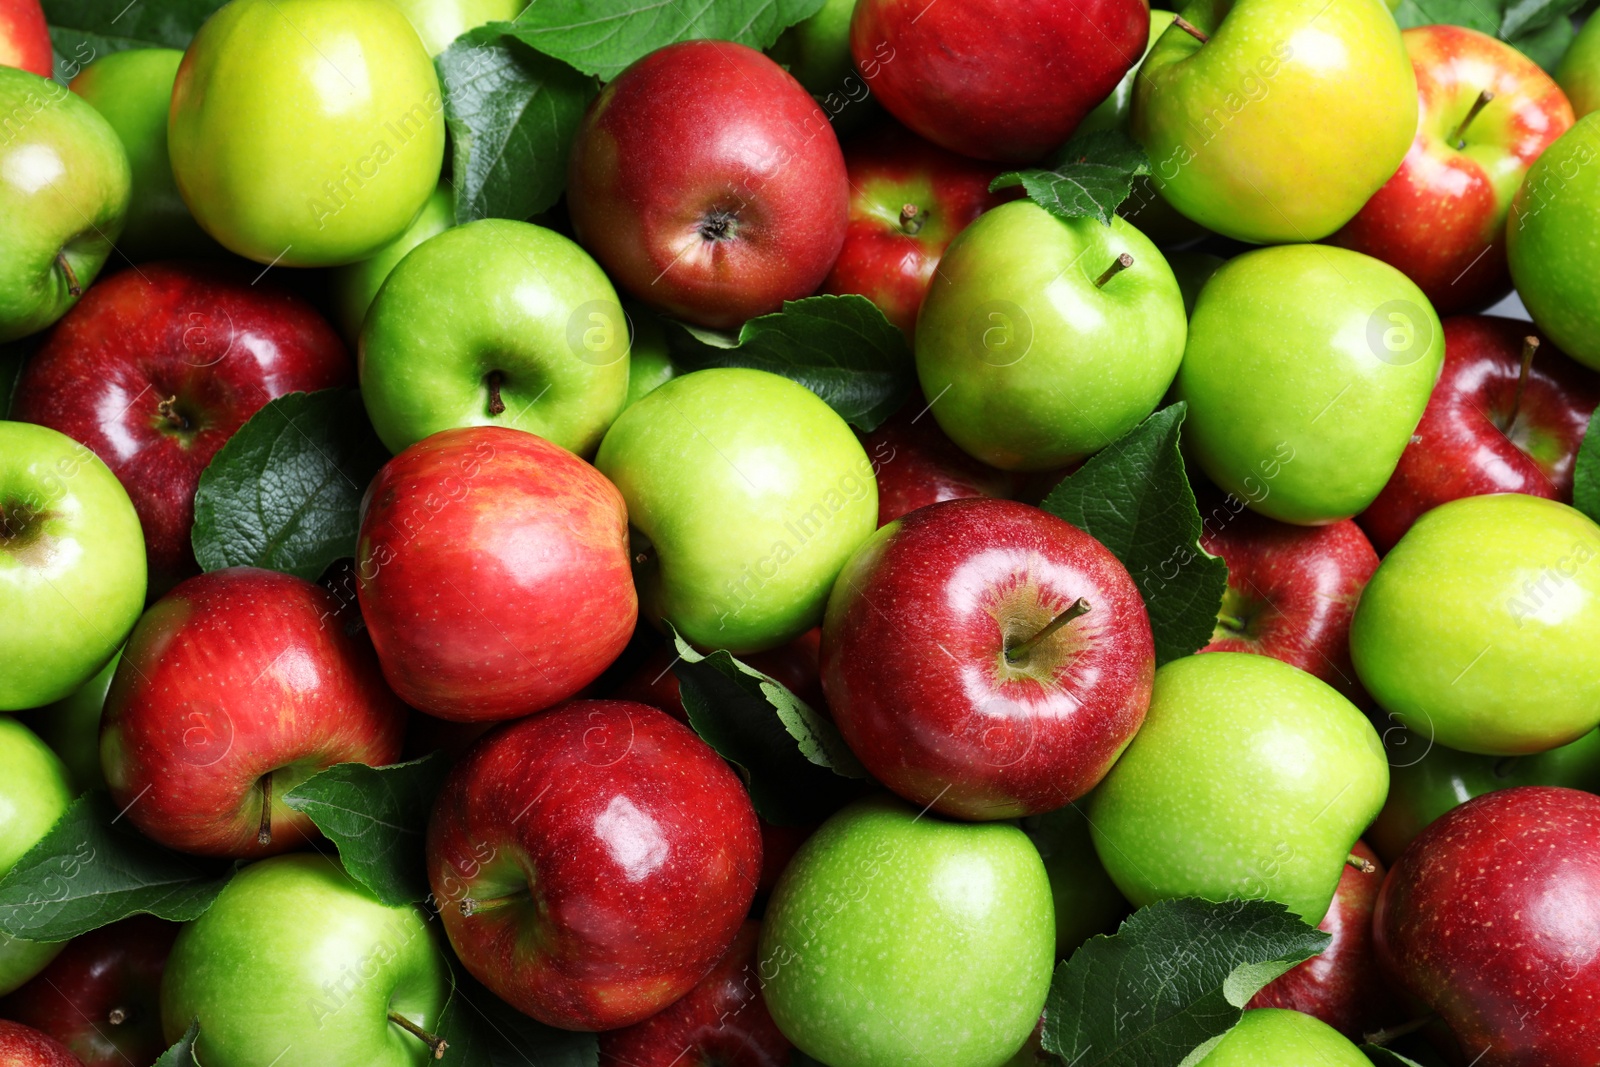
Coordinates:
[1135,499]
[512,114]
[840,347]
[1481,15]
[1525,17]
[484,1031]
[377,817]
[182,1054]
[84,30]
[92,869]
[285,491]
[1546,46]
[1091,176]
[1586,473]
[1388,1057]
[1176,976]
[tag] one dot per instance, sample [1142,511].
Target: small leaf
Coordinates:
[1523,18]
[484,1031]
[93,869]
[1092,175]
[1134,498]
[377,817]
[1546,45]
[840,347]
[1175,976]
[182,1053]
[1586,473]
[285,491]
[84,30]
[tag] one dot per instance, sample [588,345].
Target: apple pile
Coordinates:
[983,533]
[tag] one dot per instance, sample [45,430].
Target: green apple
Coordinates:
[33,795]
[649,361]
[438,22]
[1306,371]
[72,566]
[295,963]
[746,494]
[1280,125]
[1086,899]
[1276,1037]
[1553,241]
[816,50]
[897,939]
[306,133]
[133,90]
[1249,779]
[495,323]
[1579,72]
[71,727]
[1479,628]
[353,286]
[1036,346]
[63,196]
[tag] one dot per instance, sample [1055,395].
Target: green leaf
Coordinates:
[1547,45]
[285,491]
[1525,17]
[840,347]
[797,767]
[603,36]
[1175,976]
[1388,1057]
[92,869]
[1134,498]
[182,1054]
[1091,176]
[84,30]
[1586,473]
[1481,15]
[512,114]
[484,1031]
[377,817]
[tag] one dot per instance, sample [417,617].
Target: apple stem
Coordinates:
[911,219]
[1530,348]
[1394,1033]
[264,833]
[471,906]
[1076,608]
[1231,622]
[168,410]
[72,277]
[1365,866]
[433,1041]
[117,1016]
[1191,29]
[1118,265]
[1459,139]
[496,405]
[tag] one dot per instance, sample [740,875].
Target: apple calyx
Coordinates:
[911,219]
[1458,139]
[494,379]
[1191,29]
[1118,265]
[264,832]
[434,1042]
[71,275]
[117,1016]
[1365,866]
[718,225]
[1076,608]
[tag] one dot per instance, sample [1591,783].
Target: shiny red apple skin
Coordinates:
[25,37]
[101,996]
[1004,80]
[709,184]
[627,848]
[889,255]
[493,573]
[1458,448]
[721,1022]
[1441,219]
[231,676]
[199,333]
[23,1046]
[915,667]
[1491,917]
[917,465]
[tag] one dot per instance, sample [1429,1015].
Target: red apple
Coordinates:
[1441,219]
[101,996]
[946,678]
[794,665]
[230,692]
[709,184]
[722,1022]
[591,863]
[1007,80]
[1489,427]
[494,573]
[24,37]
[917,465]
[23,1046]
[1491,918]
[156,367]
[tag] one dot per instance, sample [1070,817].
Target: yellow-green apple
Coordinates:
[917,465]
[439,22]
[353,285]
[25,37]
[1579,72]
[23,1046]
[816,50]
[1276,1037]
[33,794]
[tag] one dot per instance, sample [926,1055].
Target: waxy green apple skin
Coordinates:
[1480,626]
[1276,1037]
[306,133]
[296,963]
[1307,368]
[1579,73]
[893,940]
[64,183]
[1029,364]
[746,494]
[354,285]
[439,22]
[1281,125]
[1249,779]
[33,794]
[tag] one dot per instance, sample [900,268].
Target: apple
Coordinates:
[1306,371]
[1212,109]
[33,794]
[101,996]
[64,183]
[1507,416]
[1476,631]
[24,37]
[722,1020]
[986,659]
[71,727]
[494,573]
[746,494]
[157,367]
[1086,900]
[709,184]
[495,323]
[439,22]
[1249,779]
[230,693]
[898,938]
[1579,72]
[1042,340]
[353,285]
[1274,1037]
[1490,919]
[592,863]
[649,360]
[918,465]
[816,50]
[72,559]
[23,1046]
[328,972]
[908,200]
[306,133]
[1553,239]
[992,79]
[1113,112]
